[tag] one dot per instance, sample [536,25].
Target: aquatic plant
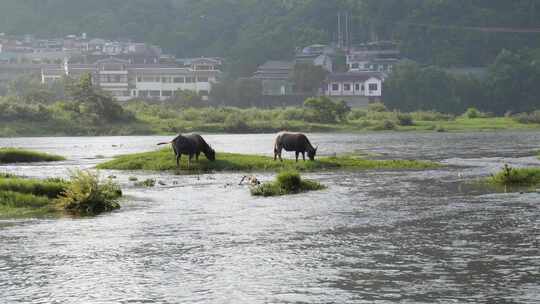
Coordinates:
[509,176]
[86,194]
[15,155]
[287,182]
[149,183]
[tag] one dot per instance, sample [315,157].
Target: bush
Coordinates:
[404,119]
[528,118]
[235,123]
[377,107]
[357,114]
[431,116]
[384,125]
[516,177]
[88,195]
[473,113]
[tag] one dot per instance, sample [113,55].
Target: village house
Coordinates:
[380,56]
[275,77]
[358,89]
[124,80]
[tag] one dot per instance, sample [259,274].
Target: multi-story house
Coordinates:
[125,81]
[375,56]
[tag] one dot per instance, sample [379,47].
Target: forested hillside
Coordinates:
[248,32]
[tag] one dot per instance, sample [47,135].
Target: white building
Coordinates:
[354,84]
[126,81]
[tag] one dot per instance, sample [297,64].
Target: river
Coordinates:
[371,237]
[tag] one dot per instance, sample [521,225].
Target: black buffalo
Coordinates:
[297,142]
[191,145]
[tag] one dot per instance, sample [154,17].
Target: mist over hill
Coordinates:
[248,32]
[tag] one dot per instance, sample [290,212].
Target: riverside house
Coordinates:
[125,81]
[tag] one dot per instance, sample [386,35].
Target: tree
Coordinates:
[308,78]
[324,110]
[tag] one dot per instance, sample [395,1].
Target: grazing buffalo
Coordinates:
[191,145]
[297,142]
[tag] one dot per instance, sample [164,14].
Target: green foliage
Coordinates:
[47,188]
[324,110]
[163,160]
[528,118]
[404,119]
[88,195]
[148,183]
[516,177]
[473,113]
[16,204]
[287,182]
[377,107]
[14,155]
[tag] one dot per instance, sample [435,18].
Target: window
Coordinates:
[362,88]
[373,87]
[147,79]
[189,79]
[357,87]
[355,66]
[143,93]
[154,93]
[202,79]
[178,79]
[335,86]
[166,93]
[139,78]
[346,87]
[166,79]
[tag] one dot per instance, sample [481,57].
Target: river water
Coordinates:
[371,237]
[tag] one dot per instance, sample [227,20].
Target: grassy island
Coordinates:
[15,155]
[516,177]
[287,182]
[83,195]
[163,160]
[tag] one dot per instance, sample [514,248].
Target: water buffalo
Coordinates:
[297,142]
[191,145]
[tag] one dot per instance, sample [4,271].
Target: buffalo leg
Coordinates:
[178,156]
[296,155]
[304,156]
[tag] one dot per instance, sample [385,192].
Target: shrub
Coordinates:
[528,118]
[431,116]
[377,107]
[472,113]
[516,177]
[88,195]
[356,114]
[235,123]
[404,119]
[384,125]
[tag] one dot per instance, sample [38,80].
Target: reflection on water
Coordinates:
[372,237]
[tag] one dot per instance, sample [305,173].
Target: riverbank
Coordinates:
[164,160]
[167,119]
[14,155]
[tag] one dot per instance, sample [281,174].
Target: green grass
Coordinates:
[287,182]
[519,177]
[163,160]
[84,194]
[14,155]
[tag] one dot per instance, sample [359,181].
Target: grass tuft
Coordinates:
[88,195]
[14,155]
[509,176]
[287,182]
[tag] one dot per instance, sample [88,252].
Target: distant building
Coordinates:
[124,80]
[357,88]
[379,56]
[318,55]
[275,77]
